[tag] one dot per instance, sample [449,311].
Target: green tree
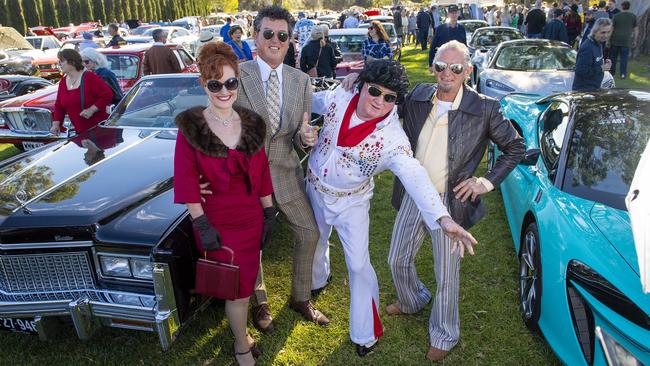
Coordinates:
[133,6]
[17,16]
[75,11]
[30,13]
[50,13]
[86,11]
[4,15]
[63,8]
[126,11]
[109,11]
[99,12]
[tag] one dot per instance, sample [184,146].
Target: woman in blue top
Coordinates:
[241,48]
[98,63]
[377,46]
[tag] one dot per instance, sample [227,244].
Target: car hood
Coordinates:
[532,82]
[615,226]
[116,183]
[42,98]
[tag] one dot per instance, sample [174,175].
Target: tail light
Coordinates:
[4,85]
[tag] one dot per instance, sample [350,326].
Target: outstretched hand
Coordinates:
[460,238]
[348,83]
[469,189]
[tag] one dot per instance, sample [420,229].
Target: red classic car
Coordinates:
[25,121]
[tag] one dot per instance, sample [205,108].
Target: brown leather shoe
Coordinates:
[436,354]
[307,310]
[262,319]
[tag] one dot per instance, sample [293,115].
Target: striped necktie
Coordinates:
[273,101]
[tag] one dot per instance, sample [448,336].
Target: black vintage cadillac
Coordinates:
[88,228]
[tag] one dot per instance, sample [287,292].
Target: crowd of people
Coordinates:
[236,167]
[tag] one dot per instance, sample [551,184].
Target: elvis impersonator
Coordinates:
[362,137]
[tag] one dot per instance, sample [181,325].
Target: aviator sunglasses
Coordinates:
[282,35]
[216,85]
[375,92]
[455,68]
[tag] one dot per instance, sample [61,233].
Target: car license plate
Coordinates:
[28,145]
[18,325]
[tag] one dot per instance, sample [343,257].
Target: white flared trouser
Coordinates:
[350,217]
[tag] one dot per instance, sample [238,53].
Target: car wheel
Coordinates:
[530,277]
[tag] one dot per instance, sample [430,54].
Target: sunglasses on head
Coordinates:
[376,92]
[455,68]
[282,35]
[215,86]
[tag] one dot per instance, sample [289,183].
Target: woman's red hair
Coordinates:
[213,56]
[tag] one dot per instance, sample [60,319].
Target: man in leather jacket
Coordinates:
[449,126]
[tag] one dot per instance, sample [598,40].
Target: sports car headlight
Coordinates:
[615,353]
[497,85]
[115,266]
[605,292]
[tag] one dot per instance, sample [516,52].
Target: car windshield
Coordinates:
[154,103]
[36,42]
[349,43]
[609,138]
[492,37]
[141,30]
[124,66]
[536,57]
[472,26]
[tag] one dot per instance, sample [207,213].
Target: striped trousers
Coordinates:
[412,294]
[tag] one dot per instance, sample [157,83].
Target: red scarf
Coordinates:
[350,137]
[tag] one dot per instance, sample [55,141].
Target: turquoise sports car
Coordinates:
[579,275]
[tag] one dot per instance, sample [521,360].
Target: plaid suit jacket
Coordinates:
[286,172]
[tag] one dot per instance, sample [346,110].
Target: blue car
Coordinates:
[579,275]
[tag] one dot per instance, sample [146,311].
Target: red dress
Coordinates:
[96,92]
[237,180]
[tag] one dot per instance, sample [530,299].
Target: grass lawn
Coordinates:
[492,332]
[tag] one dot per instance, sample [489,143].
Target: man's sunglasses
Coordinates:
[215,86]
[86,61]
[282,35]
[375,92]
[455,68]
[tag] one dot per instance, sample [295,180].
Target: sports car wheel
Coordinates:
[530,277]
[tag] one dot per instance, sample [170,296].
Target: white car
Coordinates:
[47,44]
[486,38]
[179,36]
[531,66]
[470,26]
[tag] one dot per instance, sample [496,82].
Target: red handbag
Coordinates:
[216,279]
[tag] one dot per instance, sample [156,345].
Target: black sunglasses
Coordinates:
[282,35]
[375,92]
[86,61]
[216,85]
[455,68]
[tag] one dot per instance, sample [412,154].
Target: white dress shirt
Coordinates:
[265,73]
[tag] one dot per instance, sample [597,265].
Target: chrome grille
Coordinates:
[37,274]
[47,66]
[28,119]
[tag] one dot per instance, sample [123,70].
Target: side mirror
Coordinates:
[530,157]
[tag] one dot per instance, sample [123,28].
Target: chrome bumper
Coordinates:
[90,315]
[6,134]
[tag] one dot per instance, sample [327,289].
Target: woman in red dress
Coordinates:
[97,95]
[225,146]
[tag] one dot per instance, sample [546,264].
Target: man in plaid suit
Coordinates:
[284,114]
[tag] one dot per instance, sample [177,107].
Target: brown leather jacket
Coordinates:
[471,126]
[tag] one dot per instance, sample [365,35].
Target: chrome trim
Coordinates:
[82,318]
[17,122]
[98,266]
[167,318]
[6,134]
[81,172]
[47,245]
[20,109]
